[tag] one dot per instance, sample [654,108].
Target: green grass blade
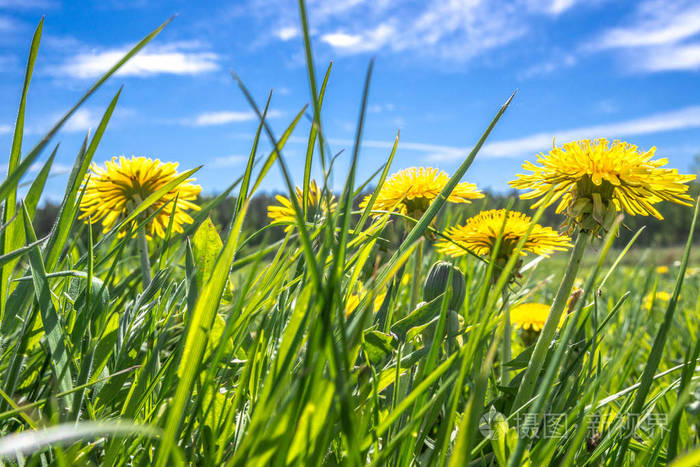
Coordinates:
[311,74]
[49,317]
[243,192]
[375,193]
[28,442]
[8,238]
[312,142]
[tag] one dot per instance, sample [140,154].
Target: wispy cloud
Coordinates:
[656,22]
[286,33]
[84,119]
[5,129]
[228,161]
[7,24]
[223,117]
[178,58]
[558,62]
[434,151]
[7,62]
[56,168]
[454,30]
[662,35]
[379,108]
[27,4]
[557,7]
[676,57]
[365,41]
[688,117]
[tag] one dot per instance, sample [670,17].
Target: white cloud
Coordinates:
[179,58]
[453,31]
[677,57]
[688,117]
[658,22]
[5,129]
[341,39]
[606,106]
[56,168]
[551,7]
[7,63]
[367,41]
[82,120]
[662,36]
[379,108]
[6,24]
[560,6]
[226,116]
[223,117]
[228,161]
[26,4]
[451,152]
[560,62]
[287,32]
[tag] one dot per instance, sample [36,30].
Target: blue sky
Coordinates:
[595,68]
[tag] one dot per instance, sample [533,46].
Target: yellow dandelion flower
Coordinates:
[112,192]
[354,300]
[594,179]
[662,270]
[411,191]
[318,207]
[479,235]
[531,316]
[661,298]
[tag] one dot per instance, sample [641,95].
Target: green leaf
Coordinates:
[424,313]
[206,246]
[379,345]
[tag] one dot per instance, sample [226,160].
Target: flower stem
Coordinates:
[145,262]
[507,332]
[537,359]
[418,262]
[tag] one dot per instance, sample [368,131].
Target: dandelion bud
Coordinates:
[436,284]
